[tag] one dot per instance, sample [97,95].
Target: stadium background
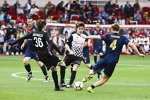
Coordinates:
[130,80]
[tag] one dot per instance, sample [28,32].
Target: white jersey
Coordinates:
[76,44]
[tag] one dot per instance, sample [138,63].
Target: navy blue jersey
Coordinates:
[114,43]
[86,48]
[30,45]
[97,43]
[86,51]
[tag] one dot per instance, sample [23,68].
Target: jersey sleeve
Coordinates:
[85,33]
[69,41]
[22,38]
[51,43]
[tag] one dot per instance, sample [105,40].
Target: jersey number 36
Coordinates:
[38,42]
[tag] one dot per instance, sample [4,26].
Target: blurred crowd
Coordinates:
[16,19]
[74,11]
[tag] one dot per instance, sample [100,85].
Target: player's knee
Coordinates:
[53,69]
[75,67]
[62,63]
[26,62]
[40,63]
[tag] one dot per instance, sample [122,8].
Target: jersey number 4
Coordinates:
[113,44]
[38,42]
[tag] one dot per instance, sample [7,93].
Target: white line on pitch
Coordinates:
[123,83]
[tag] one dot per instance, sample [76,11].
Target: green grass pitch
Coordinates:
[130,81]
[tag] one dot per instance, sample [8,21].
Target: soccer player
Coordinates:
[30,53]
[40,39]
[114,43]
[74,56]
[97,44]
[86,55]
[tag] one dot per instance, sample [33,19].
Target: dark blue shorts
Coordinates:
[31,54]
[97,49]
[105,64]
[86,55]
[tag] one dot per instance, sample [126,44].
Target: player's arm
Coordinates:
[133,46]
[91,36]
[52,44]
[24,43]
[68,44]
[22,38]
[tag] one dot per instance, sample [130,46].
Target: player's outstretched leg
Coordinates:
[89,77]
[90,89]
[98,83]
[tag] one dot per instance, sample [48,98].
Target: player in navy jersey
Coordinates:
[114,44]
[97,44]
[30,53]
[86,55]
[41,41]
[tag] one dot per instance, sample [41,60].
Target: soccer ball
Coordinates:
[78,85]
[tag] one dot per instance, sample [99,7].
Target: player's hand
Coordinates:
[141,55]
[71,52]
[83,36]
[22,46]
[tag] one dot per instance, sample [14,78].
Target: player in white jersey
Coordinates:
[74,54]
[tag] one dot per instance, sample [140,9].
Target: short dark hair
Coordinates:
[80,24]
[115,27]
[41,24]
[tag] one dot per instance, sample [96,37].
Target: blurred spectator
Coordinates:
[136,6]
[59,40]
[127,9]
[27,8]
[12,49]
[5,7]
[20,11]
[1,17]
[121,21]
[68,30]
[9,31]
[34,10]
[68,6]
[60,7]
[65,17]
[104,15]
[107,7]
[77,6]
[146,47]
[2,34]
[137,16]
[49,7]
[17,5]
[7,18]
[88,8]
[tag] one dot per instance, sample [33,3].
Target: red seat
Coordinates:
[75,17]
[42,15]
[35,17]
[145,9]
